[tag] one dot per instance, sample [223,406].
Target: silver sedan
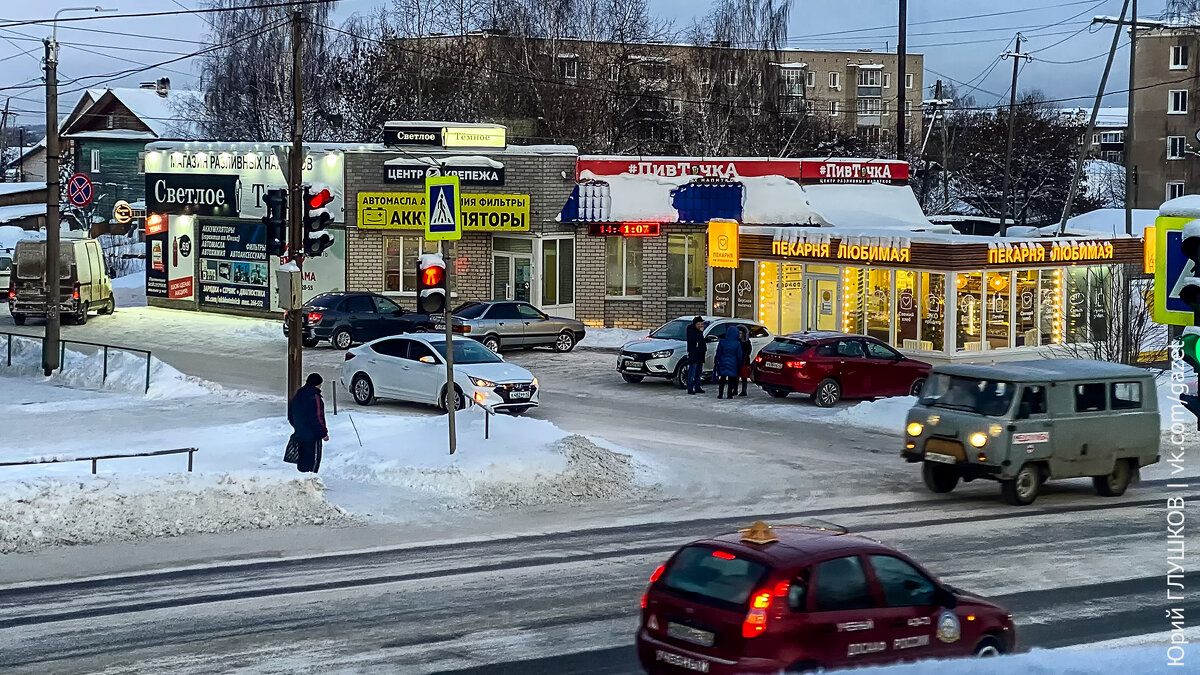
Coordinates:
[514,324]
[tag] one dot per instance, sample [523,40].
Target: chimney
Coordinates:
[163,86]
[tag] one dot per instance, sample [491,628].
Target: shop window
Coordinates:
[768,295]
[933,311]
[853,292]
[686,265]
[623,267]
[1076,287]
[879,304]
[722,292]
[743,292]
[1100,281]
[791,300]
[907,326]
[400,262]
[1051,306]
[969,290]
[1025,300]
[558,271]
[999,302]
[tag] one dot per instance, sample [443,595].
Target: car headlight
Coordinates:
[662,354]
[480,382]
[534,383]
[915,429]
[978,439]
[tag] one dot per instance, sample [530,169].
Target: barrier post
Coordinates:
[104,377]
[147,373]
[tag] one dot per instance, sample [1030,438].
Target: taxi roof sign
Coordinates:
[759,533]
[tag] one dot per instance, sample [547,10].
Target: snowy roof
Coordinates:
[237,147]
[873,205]
[11,234]
[115,134]
[867,66]
[458,160]
[1187,206]
[17,188]
[18,211]
[1106,223]
[156,112]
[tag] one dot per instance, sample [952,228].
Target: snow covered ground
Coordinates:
[1142,660]
[611,338]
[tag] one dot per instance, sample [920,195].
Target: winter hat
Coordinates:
[698,319]
[314,379]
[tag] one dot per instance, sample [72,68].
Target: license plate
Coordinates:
[700,637]
[519,394]
[940,458]
[772,365]
[633,365]
[681,661]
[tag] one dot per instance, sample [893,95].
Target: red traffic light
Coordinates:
[320,199]
[433,276]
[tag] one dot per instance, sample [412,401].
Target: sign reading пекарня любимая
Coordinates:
[406,211]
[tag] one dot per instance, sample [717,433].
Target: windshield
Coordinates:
[468,351]
[986,397]
[323,301]
[716,576]
[781,346]
[674,330]
[470,310]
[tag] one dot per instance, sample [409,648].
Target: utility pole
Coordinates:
[4,142]
[1016,56]
[21,159]
[901,77]
[1128,145]
[1091,127]
[945,149]
[295,352]
[53,328]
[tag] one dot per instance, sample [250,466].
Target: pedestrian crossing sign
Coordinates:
[442,212]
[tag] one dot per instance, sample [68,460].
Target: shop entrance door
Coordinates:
[511,276]
[823,303]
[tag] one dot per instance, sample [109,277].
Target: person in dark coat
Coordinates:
[747,348]
[697,349]
[306,414]
[728,362]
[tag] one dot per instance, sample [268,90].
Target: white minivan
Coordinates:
[84,284]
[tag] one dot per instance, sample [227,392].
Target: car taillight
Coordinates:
[758,359]
[75,292]
[349,355]
[796,364]
[12,291]
[462,329]
[314,317]
[653,578]
[760,603]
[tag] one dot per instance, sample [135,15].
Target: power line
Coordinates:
[141,15]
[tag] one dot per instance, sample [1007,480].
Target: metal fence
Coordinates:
[157,453]
[62,352]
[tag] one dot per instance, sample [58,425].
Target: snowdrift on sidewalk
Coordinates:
[1143,660]
[610,338]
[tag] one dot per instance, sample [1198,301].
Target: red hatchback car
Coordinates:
[831,366]
[801,598]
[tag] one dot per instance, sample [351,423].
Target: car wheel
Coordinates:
[777,393]
[19,319]
[565,342]
[311,342]
[632,379]
[988,647]
[1022,490]
[915,389]
[680,378]
[110,306]
[362,389]
[1114,484]
[827,393]
[492,342]
[460,401]
[939,478]
[341,339]
[81,316]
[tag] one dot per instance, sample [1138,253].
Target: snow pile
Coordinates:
[11,234]
[58,512]
[130,290]
[886,415]
[872,206]
[126,371]
[1104,223]
[1142,660]
[776,200]
[592,473]
[610,338]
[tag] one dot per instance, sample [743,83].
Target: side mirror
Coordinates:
[944,597]
[427,359]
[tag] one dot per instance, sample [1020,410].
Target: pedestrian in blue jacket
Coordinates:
[728,362]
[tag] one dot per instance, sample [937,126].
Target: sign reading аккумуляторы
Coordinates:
[407,211]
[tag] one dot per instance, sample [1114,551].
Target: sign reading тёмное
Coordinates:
[407,211]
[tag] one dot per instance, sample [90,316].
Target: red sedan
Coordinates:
[830,366]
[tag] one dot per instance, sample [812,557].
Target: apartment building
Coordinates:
[1166,118]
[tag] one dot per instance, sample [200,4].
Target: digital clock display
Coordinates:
[625,229]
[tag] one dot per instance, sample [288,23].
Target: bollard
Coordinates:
[104,377]
[147,372]
[10,350]
[335,388]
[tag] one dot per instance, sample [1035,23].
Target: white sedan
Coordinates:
[413,368]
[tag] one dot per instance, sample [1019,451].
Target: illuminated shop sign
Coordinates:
[845,250]
[1070,251]
[624,229]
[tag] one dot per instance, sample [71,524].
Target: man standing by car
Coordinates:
[306,414]
[697,349]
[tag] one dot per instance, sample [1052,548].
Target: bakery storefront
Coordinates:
[920,292]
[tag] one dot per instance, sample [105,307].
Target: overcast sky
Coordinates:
[958,44]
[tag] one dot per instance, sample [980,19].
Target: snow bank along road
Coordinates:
[564,603]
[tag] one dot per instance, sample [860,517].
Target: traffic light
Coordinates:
[276,221]
[316,218]
[1190,293]
[431,284]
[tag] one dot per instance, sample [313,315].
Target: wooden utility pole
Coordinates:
[1016,56]
[53,328]
[295,352]
[945,149]
[901,77]
[4,142]
[1091,127]
[1128,144]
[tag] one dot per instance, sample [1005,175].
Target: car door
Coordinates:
[508,323]
[850,367]
[424,374]
[362,318]
[386,367]
[886,374]
[759,337]
[539,329]
[391,319]
[910,617]
[712,335]
[842,615]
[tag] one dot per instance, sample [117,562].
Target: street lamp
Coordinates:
[53,325]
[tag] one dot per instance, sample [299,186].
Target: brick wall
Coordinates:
[589,281]
[654,280]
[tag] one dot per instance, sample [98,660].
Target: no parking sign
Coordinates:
[79,190]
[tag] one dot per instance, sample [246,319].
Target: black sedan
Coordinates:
[346,318]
